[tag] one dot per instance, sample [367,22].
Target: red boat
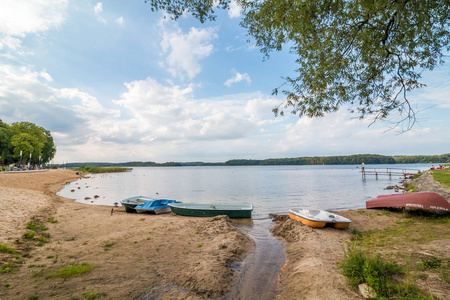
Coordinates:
[419,200]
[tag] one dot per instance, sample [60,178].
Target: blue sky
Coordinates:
[116,82]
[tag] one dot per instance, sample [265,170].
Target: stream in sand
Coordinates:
[270,189]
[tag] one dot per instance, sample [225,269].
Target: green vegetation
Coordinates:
[93,295]
[52,220]
[23,142]
[36,225]
[442,176]
[89,169]
[6,249]
[348,54]
[108,246]
[356,159]
[29,235]
[71,271]
[393,275]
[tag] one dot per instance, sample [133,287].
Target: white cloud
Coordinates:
[170,113]
[98,10]
[238,77]
[120,21]
[20,17]
[184,51]
[234,11]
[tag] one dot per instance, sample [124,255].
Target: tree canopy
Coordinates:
[364,55]
[25,140]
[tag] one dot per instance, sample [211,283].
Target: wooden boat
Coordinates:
[318,218]
[159,206]
[211,210]
[419,200]
[129,204]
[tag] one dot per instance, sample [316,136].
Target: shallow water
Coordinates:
[270,189]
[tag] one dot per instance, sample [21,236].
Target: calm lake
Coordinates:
[270,189]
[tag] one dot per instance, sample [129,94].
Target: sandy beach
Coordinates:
[135,256]
[165,256]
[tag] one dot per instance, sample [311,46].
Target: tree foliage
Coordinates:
[20,139]
[365,55]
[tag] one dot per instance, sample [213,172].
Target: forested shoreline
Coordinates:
[356,159]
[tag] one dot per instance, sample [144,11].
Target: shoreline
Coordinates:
[164,256]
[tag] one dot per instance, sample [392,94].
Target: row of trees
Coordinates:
[26,141]
[317,160]
[356,159]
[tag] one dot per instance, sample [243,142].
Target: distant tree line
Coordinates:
[356,159]
[27,142]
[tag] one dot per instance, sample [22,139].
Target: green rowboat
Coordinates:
[212,210]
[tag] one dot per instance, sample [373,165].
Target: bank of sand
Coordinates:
[136,256]
[167,256]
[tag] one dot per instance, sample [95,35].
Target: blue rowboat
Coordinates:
[159,206]
[211,210]
[129,204]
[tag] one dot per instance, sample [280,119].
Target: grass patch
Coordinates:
[29,235]
[6,249]
[8,268]
[108,246]
[71,271]
[379,274]
[94,170]
[36,225]
[442,176]
[93,295]
[394,275]
[52,220]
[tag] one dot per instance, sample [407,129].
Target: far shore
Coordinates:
[163,256]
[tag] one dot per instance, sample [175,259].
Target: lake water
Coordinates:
[270,189]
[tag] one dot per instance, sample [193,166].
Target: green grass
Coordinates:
[29,235]
[71,271]
[88,169]
[442,176]
[108,246]
[36,225]
[378,273]
[363,262]
[93,295]
[6,249]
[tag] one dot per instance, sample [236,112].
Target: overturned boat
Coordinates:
[419,200]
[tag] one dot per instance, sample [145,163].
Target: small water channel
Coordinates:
[258,273]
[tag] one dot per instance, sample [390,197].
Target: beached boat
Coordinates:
[419,200]
[211,210]
[129,204]
[159,206]
[318,218]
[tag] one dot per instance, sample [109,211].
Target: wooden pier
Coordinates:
[389,171]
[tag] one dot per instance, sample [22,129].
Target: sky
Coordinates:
[115,82]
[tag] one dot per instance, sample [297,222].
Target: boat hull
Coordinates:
[159,206]
[212,210]
[419,200]
[319,218]
[130,204]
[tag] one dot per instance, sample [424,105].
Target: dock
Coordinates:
[388,171]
